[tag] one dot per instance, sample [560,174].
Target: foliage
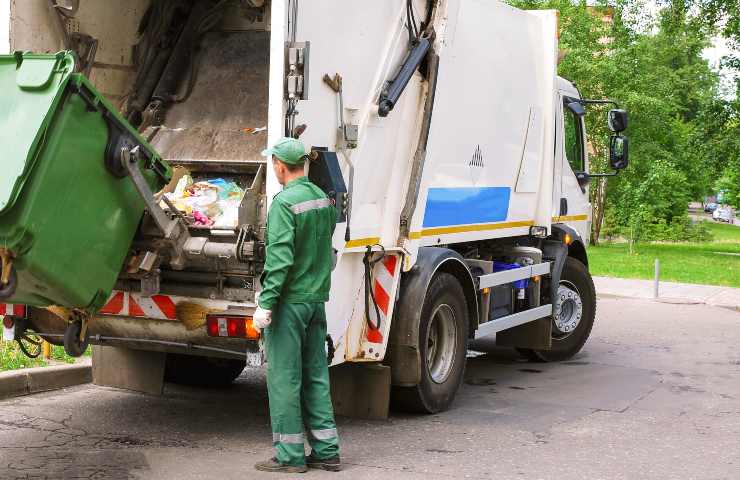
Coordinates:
[680,229]
[11,357]
[684,133]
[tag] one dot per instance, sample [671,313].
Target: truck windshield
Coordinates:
[573,140]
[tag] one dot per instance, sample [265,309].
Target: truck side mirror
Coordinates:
[619,152]
[577,108]
[617,120]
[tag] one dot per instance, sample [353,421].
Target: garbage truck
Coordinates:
[134,194]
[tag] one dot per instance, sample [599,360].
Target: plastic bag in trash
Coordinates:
[212,203]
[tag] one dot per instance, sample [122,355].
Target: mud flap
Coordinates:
[536,335]
[138,370]
[361,390]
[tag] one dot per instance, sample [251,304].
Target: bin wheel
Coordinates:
[7,290]
[73,345]
[116,141]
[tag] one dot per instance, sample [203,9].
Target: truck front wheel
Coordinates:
[574,313]
[443,337]
[202,371]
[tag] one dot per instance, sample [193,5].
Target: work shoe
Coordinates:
[332,464]
[272,465]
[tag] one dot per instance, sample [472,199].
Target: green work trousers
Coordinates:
[298,383]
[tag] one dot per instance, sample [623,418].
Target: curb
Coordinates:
[26,381]
[671,301]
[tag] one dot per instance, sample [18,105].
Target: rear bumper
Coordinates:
[145,333]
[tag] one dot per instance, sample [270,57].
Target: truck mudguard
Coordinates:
[403,344]
[557,250]
[577,248]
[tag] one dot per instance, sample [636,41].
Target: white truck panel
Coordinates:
[497,72]
[366,43]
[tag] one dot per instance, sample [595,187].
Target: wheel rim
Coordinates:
[441,343]
[568,310]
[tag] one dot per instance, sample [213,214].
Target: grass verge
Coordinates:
[712,263]
[11,357]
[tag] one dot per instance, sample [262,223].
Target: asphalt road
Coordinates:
[654,395]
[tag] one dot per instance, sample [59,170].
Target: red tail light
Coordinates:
[8,322]
[223,325]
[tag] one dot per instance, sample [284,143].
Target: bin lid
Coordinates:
[31,86]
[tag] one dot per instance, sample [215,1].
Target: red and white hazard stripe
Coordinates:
[128,304]
[7,309]
[384,273]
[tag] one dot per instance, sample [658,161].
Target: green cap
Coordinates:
[288,150]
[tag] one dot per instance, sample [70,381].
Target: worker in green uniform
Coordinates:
[295,286]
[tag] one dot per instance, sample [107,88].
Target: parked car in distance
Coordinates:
[722,214]
[710,207]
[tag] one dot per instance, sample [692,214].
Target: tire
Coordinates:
[443,340]
[202,371]
[9,289]
[565,344]
[72,344]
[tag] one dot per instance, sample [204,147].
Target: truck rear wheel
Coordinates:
[202,371]
[443,339]
[574,314]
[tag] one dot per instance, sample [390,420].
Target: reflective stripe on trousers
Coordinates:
[288,438]
[325,434]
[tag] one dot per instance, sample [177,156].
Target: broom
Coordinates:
[192,315]
[61,312]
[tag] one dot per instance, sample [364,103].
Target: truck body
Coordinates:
[441,129]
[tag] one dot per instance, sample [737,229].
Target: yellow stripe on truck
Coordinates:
[432,232]
[362,242]
[570,218]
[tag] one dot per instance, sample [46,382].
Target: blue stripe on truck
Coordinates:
[466,205]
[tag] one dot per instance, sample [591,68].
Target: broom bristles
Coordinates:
[192,315]
[61,312]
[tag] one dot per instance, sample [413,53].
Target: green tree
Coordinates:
[655,69]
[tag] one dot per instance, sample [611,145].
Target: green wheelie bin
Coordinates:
[68,212]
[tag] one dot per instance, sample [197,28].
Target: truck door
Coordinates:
[571,203]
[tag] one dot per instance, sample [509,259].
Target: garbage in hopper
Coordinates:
[211,203]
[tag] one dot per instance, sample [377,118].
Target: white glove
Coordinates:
[261,318]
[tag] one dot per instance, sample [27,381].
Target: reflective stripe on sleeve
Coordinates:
[287,438]
[308,205]
[325,434]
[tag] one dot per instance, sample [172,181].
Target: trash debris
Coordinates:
[254,131]
[211,203]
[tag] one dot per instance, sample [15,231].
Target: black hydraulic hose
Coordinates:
[369,263]
[392,93]
[210,20]
[160,30]
[181,56]
[23,348]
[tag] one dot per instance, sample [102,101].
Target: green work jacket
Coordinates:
[298,261]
